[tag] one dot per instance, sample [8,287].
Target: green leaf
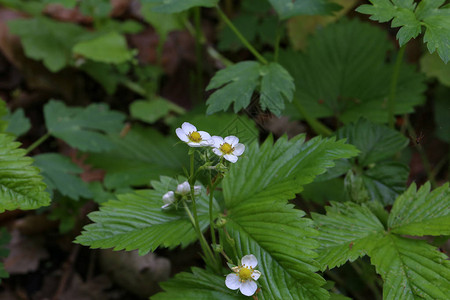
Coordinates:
[47,40]
[150,111]
[404,14]
[175,6]
[376,142]
[276,85]
[344,74]
[83,128]
[279,171]
[198,285]
[140,156]
[21,186]
[18,124]
[411,269]
[62,174]
[441,113]
[94,49]
[289,8]
[3,115]
[105,74]
[433,66]
[162,22]
[346,233]
[136,221]
[421,212]
[236,83]
[247,24]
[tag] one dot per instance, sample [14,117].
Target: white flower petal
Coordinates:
[181,135]
[205,136]
[248,287]
[249,261]
[183,188]
[232,140]
[169,197]
[232,281]
[194,144]
[218,140]
[197,190]
[239,149]
[206,143]
[217,151]
[166,205]
[188,128]
[231,157]
[256,274]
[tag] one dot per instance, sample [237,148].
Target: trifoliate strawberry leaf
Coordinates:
[137,221]
[344,74]
[47,40]
[198,285]
[347,231]
[21,186]
[62,174]
[138,157]
[83,128]
[421,212]
[237,83]
[411,269]
[289,8]
[278,171]
[404,14]
[175,6]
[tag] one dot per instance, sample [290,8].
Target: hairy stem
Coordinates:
[394,80]
[38,142]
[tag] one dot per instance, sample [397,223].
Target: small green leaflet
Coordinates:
[344,74]
[290,8]
[175,6]
[62,174]
[94,48]
[136,221]
[404,14]
[237,83]
[198,285]
[83,128]
[21,186]
[410,268]
[18,123]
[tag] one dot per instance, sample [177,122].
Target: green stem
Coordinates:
[316,125]
[212,188]
[38,142]
[394,79]
[241,37]
[277,42]
[198,51]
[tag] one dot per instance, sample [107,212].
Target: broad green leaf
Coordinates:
[276,86]
[65,3]
[344,74]
[21,186]
[235,84]
[47,40]
[441,113]
[279,171]
[175,6]
[138,157]
[421,212]
[103,73]
[323,192]
[289,8]
[198,285]
[18,124]
[267,229]
[347,231]
[411,269]
[150,111]
[162,22]
[33,8]
[136,221]
[376,142]
[404,14]
[62,174]
[433,66]
[95,49]
[83,128]
[238,82]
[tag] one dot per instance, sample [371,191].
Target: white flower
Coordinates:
[244,276]
[229,148]
[188,133]
[185,189]
[168,199]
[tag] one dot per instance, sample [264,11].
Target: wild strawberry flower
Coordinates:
[188,133]
[244,276]
[185,189]
[228,148]
[168,199]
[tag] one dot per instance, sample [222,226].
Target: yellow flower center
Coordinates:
[226,148]
[245,274]
[195,137]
